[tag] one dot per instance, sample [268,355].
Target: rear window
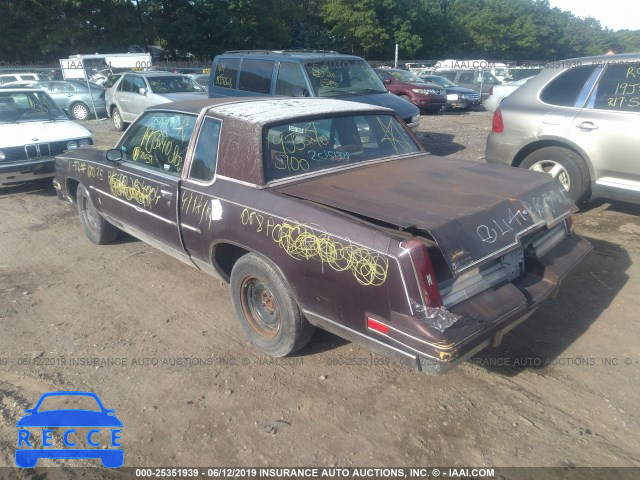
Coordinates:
[226,73]
[255,76]
[297,148]
[565,88]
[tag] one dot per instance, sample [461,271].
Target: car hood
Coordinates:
[18,134]
[69,418]
[402,107]
[474,211]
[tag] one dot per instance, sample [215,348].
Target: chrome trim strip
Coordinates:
[138,209]
[189,227]
[241,182]
[356,333]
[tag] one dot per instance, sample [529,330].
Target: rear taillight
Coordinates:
[497,126]
[424,271]
[490,90]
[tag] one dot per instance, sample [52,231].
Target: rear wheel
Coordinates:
[97,229]
[267,310]
[564,165]
[79,111]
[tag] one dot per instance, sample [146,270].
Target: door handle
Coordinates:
[587,126]
[166,194]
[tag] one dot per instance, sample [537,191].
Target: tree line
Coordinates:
[45,30]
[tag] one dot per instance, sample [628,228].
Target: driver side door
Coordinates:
[144,186]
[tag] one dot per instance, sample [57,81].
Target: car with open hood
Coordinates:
[330,214]
[33,129]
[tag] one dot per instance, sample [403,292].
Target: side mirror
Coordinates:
[114,155]
[387,81]
[142,91]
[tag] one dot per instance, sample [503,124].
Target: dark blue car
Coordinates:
[69,418]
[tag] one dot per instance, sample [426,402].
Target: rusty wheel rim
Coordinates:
[260,307]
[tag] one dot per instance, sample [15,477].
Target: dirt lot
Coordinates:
[173,362]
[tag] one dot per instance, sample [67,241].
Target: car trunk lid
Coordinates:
[475,212]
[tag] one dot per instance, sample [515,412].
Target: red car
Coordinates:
[428,97]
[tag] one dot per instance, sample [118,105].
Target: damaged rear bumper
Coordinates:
[482,319]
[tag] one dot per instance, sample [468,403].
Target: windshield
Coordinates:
[331,78]
[407,77]
[297,148]
[175,84]
[28,107]
[444,82]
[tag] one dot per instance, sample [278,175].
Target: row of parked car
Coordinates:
[305,204]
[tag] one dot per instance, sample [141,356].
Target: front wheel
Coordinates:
[266,308]
[116,116]
[564,165]
[97,229]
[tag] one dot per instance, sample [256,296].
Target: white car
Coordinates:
[19,78]
[497,93]
[33,130]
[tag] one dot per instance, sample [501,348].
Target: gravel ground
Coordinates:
[559,391]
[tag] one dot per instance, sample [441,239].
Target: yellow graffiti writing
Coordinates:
[301,241]
[198,207]
[157,141]
[297,140]
[89,170]
[400,145]
[133,189]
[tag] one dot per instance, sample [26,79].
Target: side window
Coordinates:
[203,166]
[58,87]
[159,141]
[289,77]
[28,77]
[467,77]
[619,89]
[565,88]
[255,76]
[226,73]
[7,79]
[137,83]
[125,84]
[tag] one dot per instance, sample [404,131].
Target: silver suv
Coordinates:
[132,93]
[579,121]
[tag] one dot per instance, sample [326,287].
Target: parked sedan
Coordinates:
[33,129]
[457,97]
[326,213]
[133,92]
[79,99]
[498,93]
[578,121]
[428,97]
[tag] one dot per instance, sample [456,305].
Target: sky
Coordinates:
[614,14]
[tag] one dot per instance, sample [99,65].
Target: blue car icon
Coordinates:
[69,419]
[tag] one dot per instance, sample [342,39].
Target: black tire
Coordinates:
[266,307]
[116,117]
[79,111]
[97,229]
[565,165]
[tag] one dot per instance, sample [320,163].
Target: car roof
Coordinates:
[19,89]
[303,55]
[270,109]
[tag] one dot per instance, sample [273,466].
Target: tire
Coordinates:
[97,229]
[79,111]
[116,116]
[563,164]
[266,308]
